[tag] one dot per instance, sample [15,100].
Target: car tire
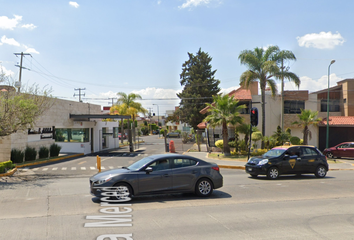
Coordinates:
[254,175]
[321,171]
[330,155]
[123,188]
[273,173]
[204,187]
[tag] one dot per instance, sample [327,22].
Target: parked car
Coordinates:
[345,149]
[173,134]
[163,173]
[292,159]
[120,136]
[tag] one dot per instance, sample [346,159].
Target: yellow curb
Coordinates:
[9,173]
[51,160]
[232,167]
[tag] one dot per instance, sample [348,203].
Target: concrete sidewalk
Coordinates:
[340,164]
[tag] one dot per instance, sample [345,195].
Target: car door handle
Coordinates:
[299,159]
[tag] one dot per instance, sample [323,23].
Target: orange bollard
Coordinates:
[172,147]
[98,163]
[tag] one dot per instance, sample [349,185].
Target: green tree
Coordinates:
[19,111]
[127,105]
[281,136]
[199,85]
[245,128]
[262,68]
[224,111]
[306,119]
[281,57]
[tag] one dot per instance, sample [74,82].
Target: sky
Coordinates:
[139,46]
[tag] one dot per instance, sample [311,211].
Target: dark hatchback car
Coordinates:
[164,173]
[292,159]
[345,149]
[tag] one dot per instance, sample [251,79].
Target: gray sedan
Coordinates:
[164,173]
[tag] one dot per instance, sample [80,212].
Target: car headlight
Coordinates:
[102,181]
[262,162]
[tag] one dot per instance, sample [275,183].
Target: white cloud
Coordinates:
[321,40]
[158,2]
[31,50]
[9,23]
[5,71]
[196,3]
[310,84]
[74,4]
[29,26]
[9,41]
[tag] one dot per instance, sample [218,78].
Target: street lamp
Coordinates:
[327,132]
[158,118]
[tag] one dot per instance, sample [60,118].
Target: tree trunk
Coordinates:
[306,130]
[225,138]
[263,112]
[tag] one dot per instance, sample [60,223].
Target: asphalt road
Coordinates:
[59,206]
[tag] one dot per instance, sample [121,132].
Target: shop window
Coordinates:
[72,135]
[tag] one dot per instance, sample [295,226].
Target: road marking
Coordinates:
[110,167]
[35,169]
[64,168]
[54,169]
[73,168]
[92,168]
[45,169]
[102,168]
[81,162]
[83,168]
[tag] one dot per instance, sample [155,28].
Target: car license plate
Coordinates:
[250,169]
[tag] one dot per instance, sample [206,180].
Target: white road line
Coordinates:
[102,167]
[35,169]
[64,168]
[73,168]
[83,168]
[45,169]
[110,167]
[55,168]
[92,168]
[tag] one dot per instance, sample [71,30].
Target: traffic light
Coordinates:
[254,116]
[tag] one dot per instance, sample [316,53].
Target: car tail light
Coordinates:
[216,168]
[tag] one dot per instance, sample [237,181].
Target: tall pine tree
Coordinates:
[199,86]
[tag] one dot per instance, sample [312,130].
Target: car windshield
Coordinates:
[275,152]
[137,165]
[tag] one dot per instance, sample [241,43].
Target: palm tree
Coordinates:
[224,111]
[262,68]
[131,107]
[280,57]
[306,119]
[245,128]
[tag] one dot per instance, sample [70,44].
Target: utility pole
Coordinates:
[112,100]
[20,66]
[79,89]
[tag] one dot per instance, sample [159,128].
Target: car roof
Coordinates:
[289,146]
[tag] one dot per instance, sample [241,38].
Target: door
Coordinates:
[309,159]
[292,163]
[184,173]
[159,180]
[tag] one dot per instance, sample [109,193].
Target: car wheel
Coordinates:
[330,155]
[204,187]
[123,191]
[321,171]
[273,173]
[254,175]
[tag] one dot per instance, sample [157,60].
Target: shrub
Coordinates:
[162,131]
[17,156]
[295,140]
[30,154]
[4,166]
[54,150]
[259,152]
[219,144]
[43,152]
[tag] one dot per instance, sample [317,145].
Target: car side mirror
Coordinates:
[148,170]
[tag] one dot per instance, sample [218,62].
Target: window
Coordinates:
[293,106]
[178,163]
[245,110]
[162,164]
[308,152]
[115,132]
[72,135]
[334,105]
